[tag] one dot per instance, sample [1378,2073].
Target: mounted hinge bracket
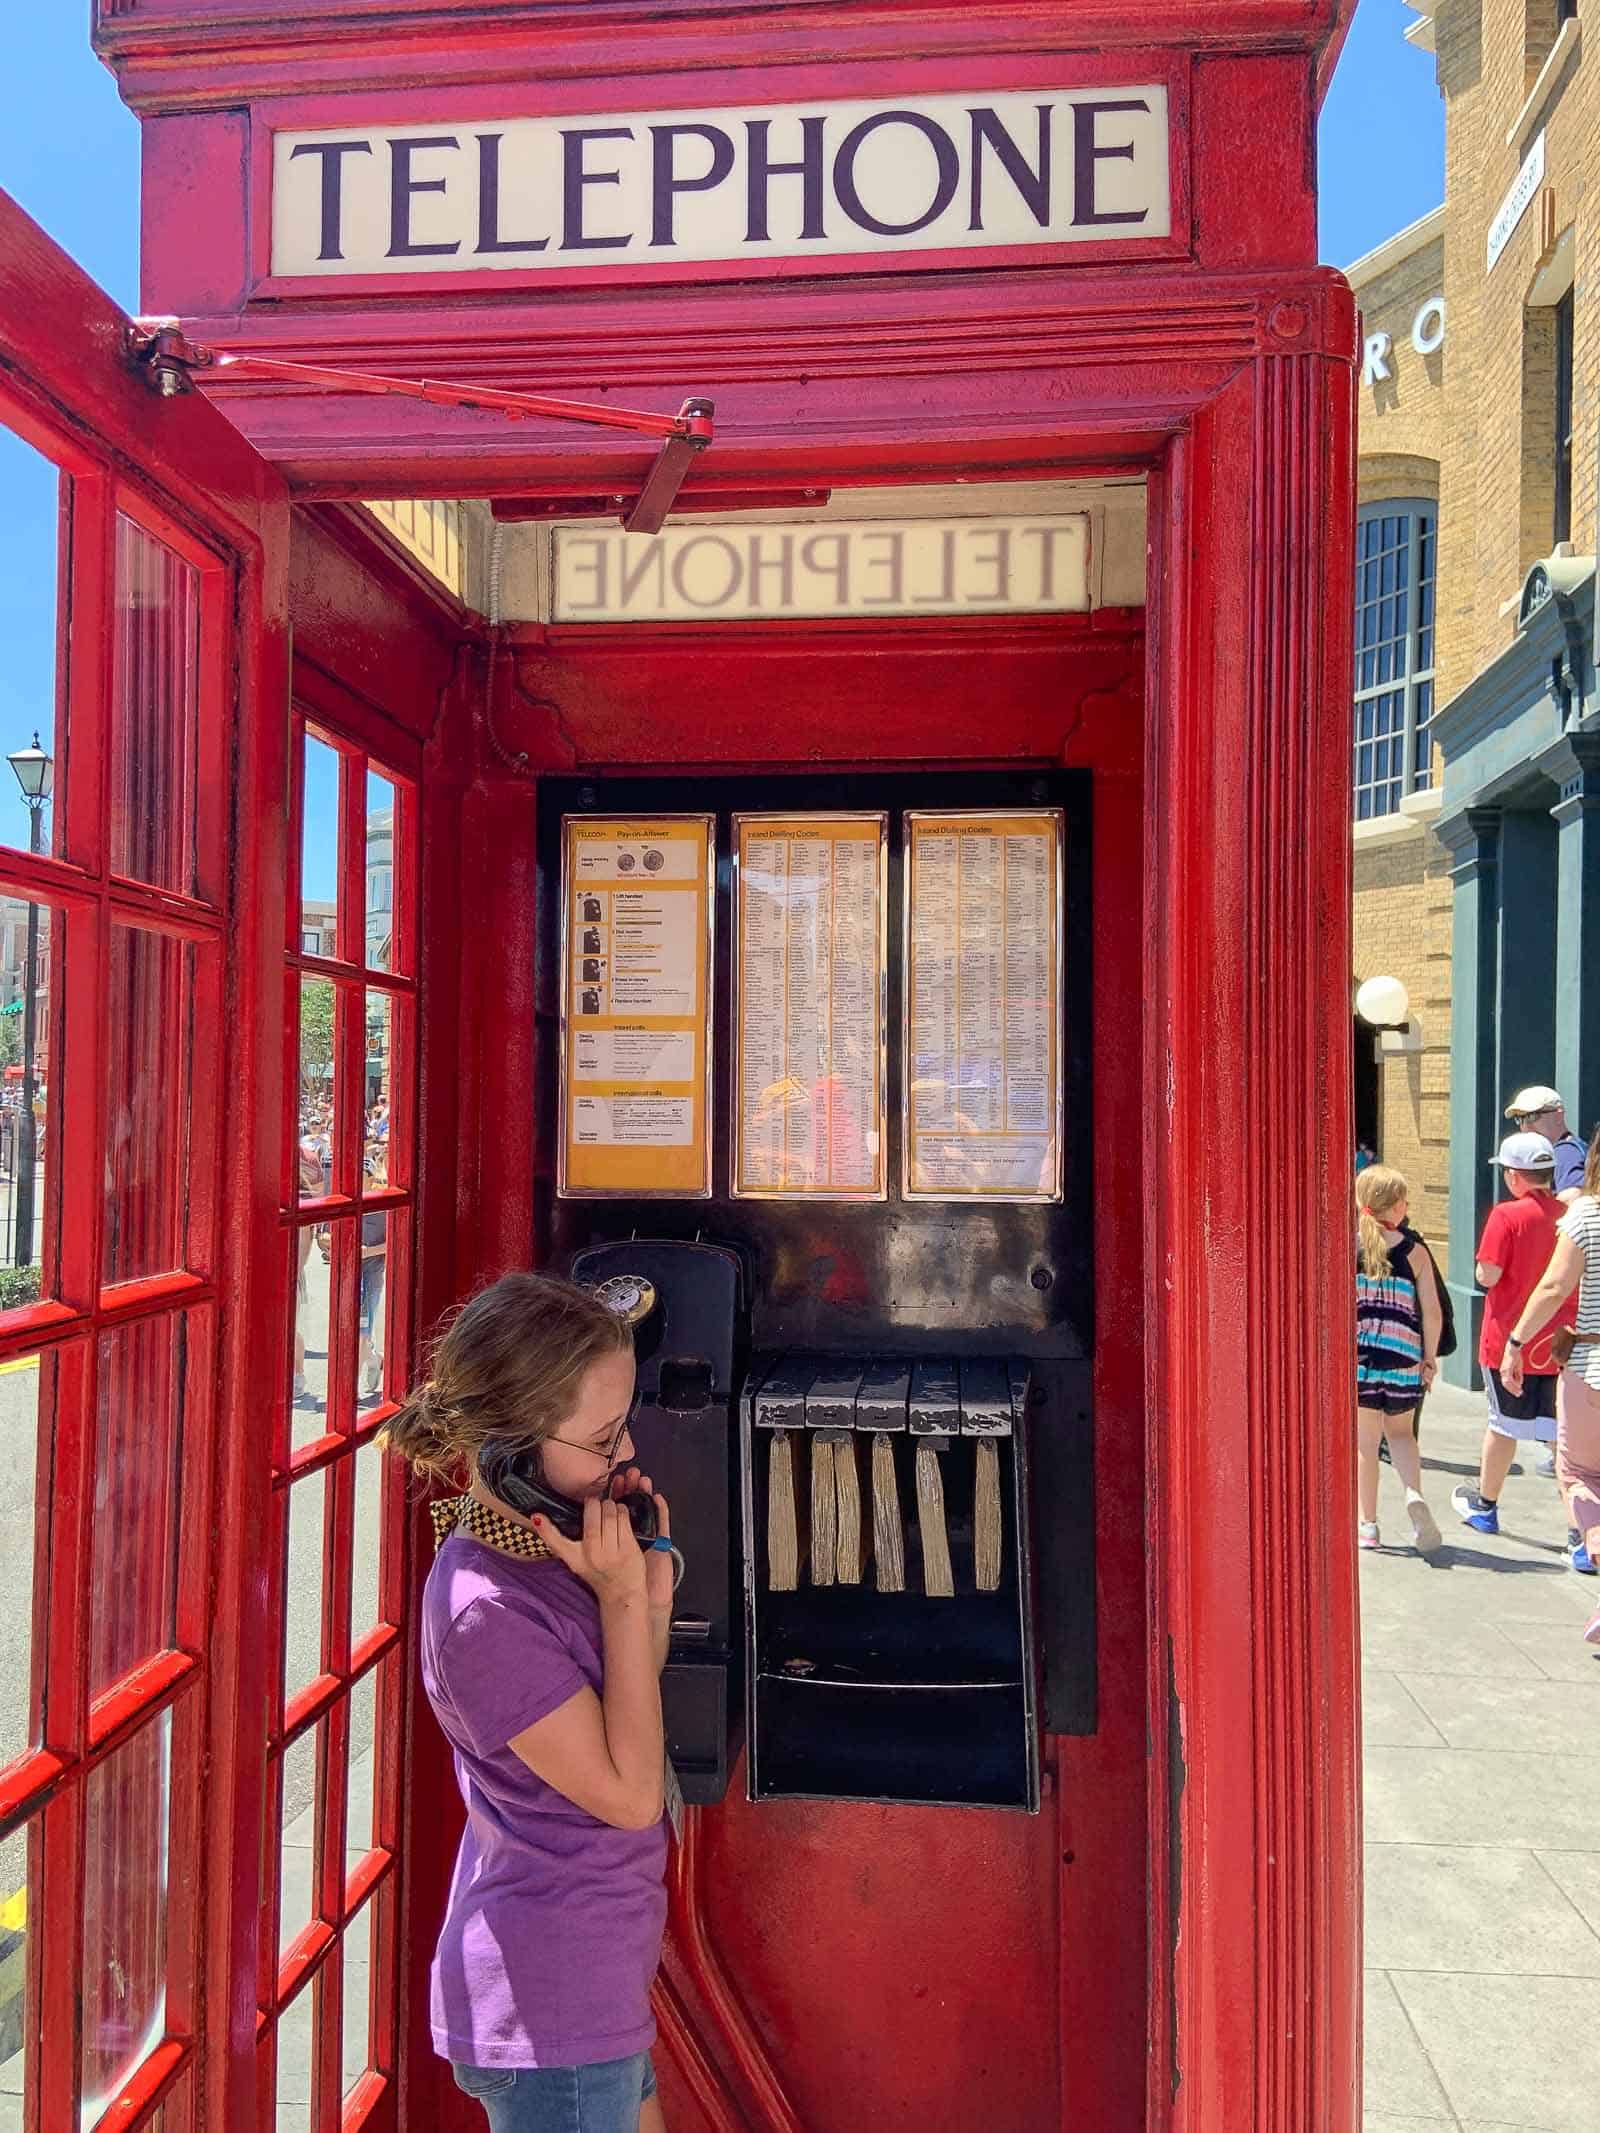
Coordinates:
[170,363]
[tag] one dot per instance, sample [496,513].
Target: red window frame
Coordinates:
[347,1897]
[47,1790]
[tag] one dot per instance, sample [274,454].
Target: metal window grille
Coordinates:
[1396,567]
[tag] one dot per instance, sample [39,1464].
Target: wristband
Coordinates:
[1512,1341]
[663,1546]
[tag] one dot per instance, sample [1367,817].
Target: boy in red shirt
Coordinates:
[1513,1252]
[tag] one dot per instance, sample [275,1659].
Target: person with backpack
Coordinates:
[1513,1253]
[1398,1321]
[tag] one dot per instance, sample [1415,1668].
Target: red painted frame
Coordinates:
[365,1896]
[1226,380]
[187,479]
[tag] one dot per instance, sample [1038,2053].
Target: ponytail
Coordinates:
[422,1434]
[1374,1252]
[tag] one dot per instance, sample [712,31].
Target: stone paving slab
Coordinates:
[1481,1708]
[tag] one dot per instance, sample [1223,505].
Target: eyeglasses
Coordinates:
[1525,1118]
[609,1455]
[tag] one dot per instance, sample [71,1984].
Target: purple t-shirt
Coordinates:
[554,1927]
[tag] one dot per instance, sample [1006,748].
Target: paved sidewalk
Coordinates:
[1482,1740]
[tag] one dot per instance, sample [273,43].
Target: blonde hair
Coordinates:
[509,1364]
[1377,1190]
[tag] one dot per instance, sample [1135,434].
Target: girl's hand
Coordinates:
[1430,1370]
[658,1565]
[608,1558]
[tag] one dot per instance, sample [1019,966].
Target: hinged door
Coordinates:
[142,868]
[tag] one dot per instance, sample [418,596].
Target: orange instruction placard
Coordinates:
[636,934]
[982,1054]
[811,972]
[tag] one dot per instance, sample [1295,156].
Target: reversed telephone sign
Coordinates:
[811,970]
[636,939]
[983,956]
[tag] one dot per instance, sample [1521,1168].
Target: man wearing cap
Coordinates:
[1513,1252]
[1540,1110]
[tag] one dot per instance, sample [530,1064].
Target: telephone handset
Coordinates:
[513,1475]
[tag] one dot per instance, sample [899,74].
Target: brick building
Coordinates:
[1498,710]
[1402,885]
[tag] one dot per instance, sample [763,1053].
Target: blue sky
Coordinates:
[69,152]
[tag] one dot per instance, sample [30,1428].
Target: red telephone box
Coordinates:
[891,294]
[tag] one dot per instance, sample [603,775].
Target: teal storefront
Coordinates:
[1521,821]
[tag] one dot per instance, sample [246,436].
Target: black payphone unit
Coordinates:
[860,1409]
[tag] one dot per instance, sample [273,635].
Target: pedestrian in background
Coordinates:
[1513,1253]
[1575,1264]
[1398,1320]
[1540,1110]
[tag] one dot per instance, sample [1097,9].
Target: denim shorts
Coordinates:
[561,2099]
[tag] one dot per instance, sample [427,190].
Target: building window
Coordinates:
[1566,10]
[1396,547]
[1565,324]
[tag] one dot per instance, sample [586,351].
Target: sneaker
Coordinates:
[1366,1536]
[1546,1462]
[1424,1526]
[1592,1634]
[1578,1555]
[1474,1509]
[308,1402]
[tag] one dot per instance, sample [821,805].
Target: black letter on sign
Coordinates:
[489,237]
[332,154]
[402,185]
[1087,154]
[666,185]
[808,168]
[1033,184]
[844,172]
[573,180]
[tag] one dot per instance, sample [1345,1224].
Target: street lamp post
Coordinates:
[35,772]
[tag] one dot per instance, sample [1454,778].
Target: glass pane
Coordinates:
[18,2019]
[155,710]
[27,1429]
[26,1044]
[125,1913]
[380,873]
[319,848]
[138,1450]
[318,1083]
[366,1562]
[360,1828]
[373,1310]
[295,2035]
[297,1845]
[302,1592]
[379,1053]
[313,1327]
[31,529]
[357,2012]
[148,1044]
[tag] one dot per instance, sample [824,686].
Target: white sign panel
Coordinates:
[1517,202]
[988,566]
[978,172]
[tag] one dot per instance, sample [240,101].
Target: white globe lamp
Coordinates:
[1384,1002]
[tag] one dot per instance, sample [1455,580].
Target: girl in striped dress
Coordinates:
[1398,1318]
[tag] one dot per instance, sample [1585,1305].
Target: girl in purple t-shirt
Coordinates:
[542,1657]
